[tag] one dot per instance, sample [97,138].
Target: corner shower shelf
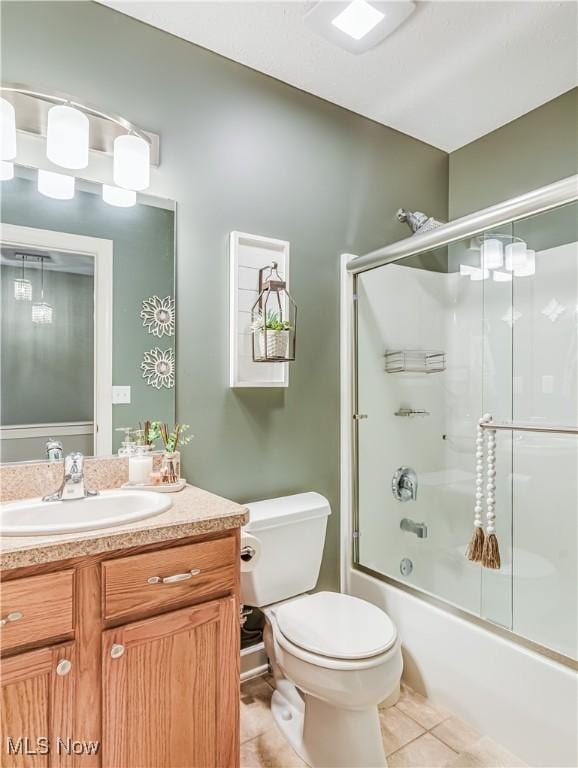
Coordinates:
[415,361]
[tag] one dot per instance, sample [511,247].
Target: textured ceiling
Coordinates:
[451,73]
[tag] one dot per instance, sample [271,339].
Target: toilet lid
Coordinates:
[335,625]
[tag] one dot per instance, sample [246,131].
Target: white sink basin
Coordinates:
[38,518]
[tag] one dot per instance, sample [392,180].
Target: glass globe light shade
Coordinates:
[67,137]
[8,130]
[131,162]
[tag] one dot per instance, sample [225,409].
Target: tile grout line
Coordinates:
[411,741]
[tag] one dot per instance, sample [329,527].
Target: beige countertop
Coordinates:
[194,512]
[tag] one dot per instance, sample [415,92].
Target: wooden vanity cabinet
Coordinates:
[153,673]
[38,701]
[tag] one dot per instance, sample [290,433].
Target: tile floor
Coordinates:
[415,735]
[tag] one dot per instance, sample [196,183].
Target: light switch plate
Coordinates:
[120,395]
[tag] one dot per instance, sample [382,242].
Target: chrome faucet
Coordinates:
[420,529]
[53,450]
[73,486]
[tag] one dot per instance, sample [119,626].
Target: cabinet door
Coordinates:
[171,690]
[37,709]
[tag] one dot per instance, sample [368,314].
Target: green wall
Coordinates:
[143,265]
[47,370]
[536,149]
[241,151]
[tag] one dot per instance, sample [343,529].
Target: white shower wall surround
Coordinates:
[534,592]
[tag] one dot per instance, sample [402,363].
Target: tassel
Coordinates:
[491,552]
[476,545]
[491,549]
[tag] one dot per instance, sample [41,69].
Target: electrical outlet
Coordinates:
[120,395]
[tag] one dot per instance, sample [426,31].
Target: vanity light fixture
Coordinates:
[8,126]
[479,274]
[516,255]
[67,137]
[131,162]
[501,277]
[22,286]
[528,268]
[358,25]
[72,130]
[41,311]
[6,170]
[59,186]
[122,198]
[492,253]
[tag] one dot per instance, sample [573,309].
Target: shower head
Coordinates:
[417,221]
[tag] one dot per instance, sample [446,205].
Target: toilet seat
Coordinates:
[334,630]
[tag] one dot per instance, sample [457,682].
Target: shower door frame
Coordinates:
[530,204]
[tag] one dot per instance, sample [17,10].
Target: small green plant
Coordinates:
[171,440]
[272,323]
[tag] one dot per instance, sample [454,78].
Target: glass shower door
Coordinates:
[484,326]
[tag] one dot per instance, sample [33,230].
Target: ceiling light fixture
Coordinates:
[67,137]
[122,198]
[358,19]
[59,186]
[358,25]
[8,130]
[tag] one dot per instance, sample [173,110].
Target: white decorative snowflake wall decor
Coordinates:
[158,368]
[158,316]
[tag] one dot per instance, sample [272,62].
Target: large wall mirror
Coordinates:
[87,319]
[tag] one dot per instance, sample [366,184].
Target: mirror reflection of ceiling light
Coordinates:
[358,25]
[501,277]
[358,19]
[553,310]
[511,317]
[22,286]
[59,186]
[122,198]
[41,310]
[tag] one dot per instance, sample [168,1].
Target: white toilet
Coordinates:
[334,657]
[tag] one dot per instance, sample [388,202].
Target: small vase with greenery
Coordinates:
[171,442]
[273,334]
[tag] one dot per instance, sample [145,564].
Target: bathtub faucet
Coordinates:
[420,529]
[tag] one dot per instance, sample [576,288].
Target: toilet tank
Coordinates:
[287,535]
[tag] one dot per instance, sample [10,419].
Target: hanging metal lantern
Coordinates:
[273,319]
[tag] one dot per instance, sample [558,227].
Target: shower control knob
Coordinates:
[404,484]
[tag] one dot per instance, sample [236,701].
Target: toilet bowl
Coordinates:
[329,683]
[334,657]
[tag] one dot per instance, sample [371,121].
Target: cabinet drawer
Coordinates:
[169,577]
[45,605]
